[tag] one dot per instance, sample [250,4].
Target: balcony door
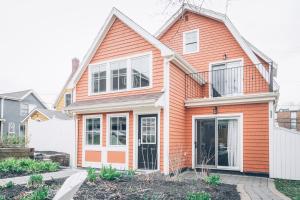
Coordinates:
[227,79]
[217,143]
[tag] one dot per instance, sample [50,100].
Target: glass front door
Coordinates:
[217,143]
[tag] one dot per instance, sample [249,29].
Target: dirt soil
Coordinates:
[18,191]
[155,187]
[14,174]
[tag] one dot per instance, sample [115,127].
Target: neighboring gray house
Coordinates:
[14,107]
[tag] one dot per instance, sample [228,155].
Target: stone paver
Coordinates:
[255,188]
[47,176]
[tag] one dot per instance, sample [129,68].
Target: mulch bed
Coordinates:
[18,191]
[152,187]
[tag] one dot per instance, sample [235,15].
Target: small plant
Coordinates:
[92,175]
[2,197]
[39,194]
[213,180]
[129,173]
[109,173]
[35,180]
[198,196]
[9,184]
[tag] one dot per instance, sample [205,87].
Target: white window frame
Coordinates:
[128,67]
[116,147]
[24,104]
[225,62]
[14,127]
[184,41]
[65,99]
[90,146]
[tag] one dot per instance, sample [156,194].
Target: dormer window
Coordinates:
[68,99]
[191,41]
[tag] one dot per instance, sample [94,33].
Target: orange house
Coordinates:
[196,94]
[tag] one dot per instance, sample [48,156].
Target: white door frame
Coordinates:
[239,117]
[136,113]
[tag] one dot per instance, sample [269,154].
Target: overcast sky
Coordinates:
[38,38]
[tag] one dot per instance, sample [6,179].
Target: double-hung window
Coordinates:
[92,131]
[24,109]
[140,71]
[98,74]
[117,130]
[124,74]
[68,99]
[191,41]
[118,73]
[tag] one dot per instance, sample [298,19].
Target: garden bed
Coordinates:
[289,187]
[152,187]
[22,167]
[19,192]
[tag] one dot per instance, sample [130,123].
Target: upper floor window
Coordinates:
[191,41]
[24,109]
[99,78]
[119,75]
[227,79]
[294,120]
[68,99]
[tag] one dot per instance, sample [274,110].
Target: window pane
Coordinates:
[89,138]
[140,71]
[98,78]
[96,138]
[122,82]
[118,74]
[191,47]
[89,125]
[122,138]
[113,138]
[93,131]
[118,131]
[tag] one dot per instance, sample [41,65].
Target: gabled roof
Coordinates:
[115,13]
[49,114]
[21,95]
[221,18]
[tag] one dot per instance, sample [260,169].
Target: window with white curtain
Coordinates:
[227,79]
[191,41]
[124,74]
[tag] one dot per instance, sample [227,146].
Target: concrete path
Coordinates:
[250,187]
[47,176]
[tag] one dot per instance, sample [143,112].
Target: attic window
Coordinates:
[68,99]
[191,41]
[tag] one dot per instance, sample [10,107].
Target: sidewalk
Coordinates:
[47,176]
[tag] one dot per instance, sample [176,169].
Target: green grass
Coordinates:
[289,188]
[13,165]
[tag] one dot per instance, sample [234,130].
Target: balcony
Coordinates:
[230,80]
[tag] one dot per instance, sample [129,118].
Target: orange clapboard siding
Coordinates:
[116,157]
[119,42]
[215,41]
[178,146]
[255,130]
[93,156]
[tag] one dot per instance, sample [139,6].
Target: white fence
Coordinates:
[53,135]
[285,154]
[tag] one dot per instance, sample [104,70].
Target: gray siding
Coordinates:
[12,112]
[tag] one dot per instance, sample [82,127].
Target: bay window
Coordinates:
[125,74]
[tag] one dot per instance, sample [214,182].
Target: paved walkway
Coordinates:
[47,176]
[250,187]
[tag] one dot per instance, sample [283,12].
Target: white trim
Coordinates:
[221,18]
[136,113]
[33,111]
[86,147]
[76,142]
[232,100]
[271,133]
[184,41]
[166,116]
[128,79]
[115,13]
[240,118]
[210,70]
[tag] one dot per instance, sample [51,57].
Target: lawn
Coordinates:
[110,184]
[13,167]
[289,188]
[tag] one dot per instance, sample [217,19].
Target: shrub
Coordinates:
[92,175]
[9,184]
[129,173]
[14,165]
[109,173]
[35,180]
[213,180]
[198,196]
[39,194]
[13,140]
[2,197]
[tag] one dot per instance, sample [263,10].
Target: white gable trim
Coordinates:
[33,111]
[115,13]
[222,18]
